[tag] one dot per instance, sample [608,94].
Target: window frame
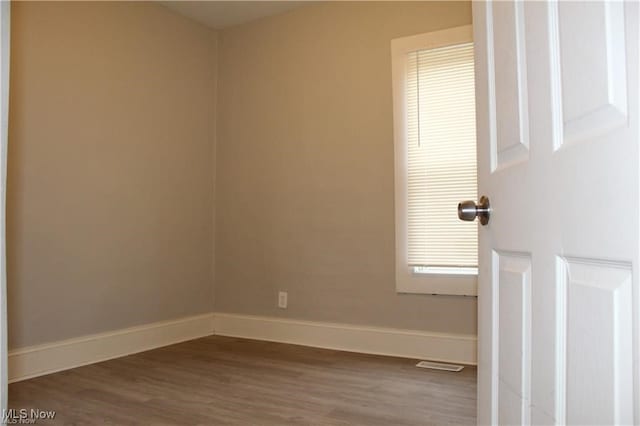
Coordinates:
[407,281]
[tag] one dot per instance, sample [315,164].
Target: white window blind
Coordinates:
[441,163]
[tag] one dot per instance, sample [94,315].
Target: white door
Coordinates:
[557,104]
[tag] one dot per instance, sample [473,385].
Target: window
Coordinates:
[435,150]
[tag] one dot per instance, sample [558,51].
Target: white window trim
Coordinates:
[406,280]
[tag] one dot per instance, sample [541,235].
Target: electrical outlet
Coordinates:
[282,300]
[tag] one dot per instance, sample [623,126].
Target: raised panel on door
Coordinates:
[508,84]
[512,289]
[588,68]
[597,334]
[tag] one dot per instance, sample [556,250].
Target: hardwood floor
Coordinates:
[220,381]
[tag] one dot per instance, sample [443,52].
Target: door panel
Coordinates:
[513,288]
[557,123]
[510,117]
[591,39]
[598,341]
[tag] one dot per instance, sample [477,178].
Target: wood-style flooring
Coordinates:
[227,381]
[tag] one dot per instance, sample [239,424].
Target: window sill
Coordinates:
[438,283]
[462,271]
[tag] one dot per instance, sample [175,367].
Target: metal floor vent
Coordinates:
[440,366]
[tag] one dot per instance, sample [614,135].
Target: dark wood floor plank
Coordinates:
[227,381]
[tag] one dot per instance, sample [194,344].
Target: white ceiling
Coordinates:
[222,14]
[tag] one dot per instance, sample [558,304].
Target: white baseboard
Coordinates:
[453,348]
[52,357]
[49,358]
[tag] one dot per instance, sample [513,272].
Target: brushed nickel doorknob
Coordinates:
[469,210]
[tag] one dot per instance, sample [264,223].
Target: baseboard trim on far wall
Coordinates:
[452,348]
[49,358]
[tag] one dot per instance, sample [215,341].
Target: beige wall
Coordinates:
[305,167]
[111,168]
[110,175]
